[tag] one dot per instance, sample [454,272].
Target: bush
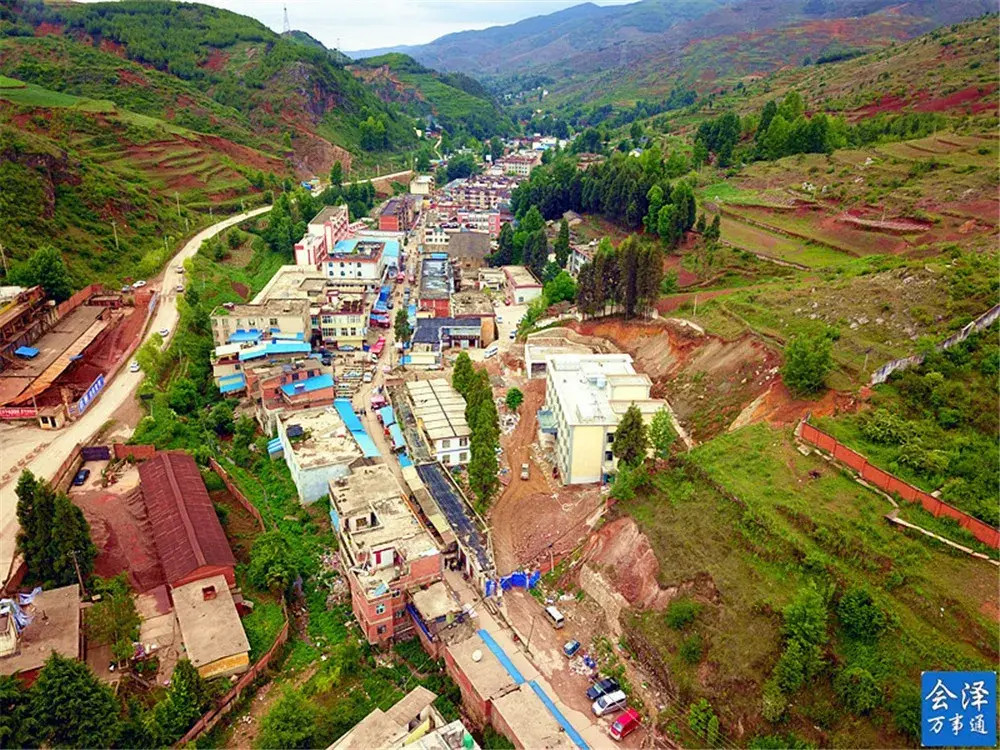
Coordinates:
[905,710]
[773,701]
[860,616]
[857,690]
[807,362]
[691,649]
[291,723]
[699,717]
[682,612]
[272,563]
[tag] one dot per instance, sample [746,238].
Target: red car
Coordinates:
[626,723]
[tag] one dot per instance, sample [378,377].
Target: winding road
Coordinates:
[49,449]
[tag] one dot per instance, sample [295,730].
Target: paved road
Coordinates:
[51,448]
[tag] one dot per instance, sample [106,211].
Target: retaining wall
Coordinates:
[235,492]
[138,452]
[896,486]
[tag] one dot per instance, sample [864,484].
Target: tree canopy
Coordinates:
[631,437]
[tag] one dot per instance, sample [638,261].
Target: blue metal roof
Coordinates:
[351,421]
[26,351]
[386,415]
[397,436]
[232,383]
[241,336]
[274,446]
[404,460]
[315,383]
[272,348]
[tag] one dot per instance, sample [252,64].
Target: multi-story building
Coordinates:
[587,396]
[25,314]
[388,554]
[422,185]
[254,322]
[492,278]
[327,228]
[341,322]
[230,362]
[317,447]
[520,163]
[437,283]
[579,256]
[440,413]
[364,258]
[397,214]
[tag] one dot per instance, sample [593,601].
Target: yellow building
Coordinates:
[210,626]
[588,395]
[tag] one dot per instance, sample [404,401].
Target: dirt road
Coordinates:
[48,449]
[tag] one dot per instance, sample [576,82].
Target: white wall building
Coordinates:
[440,413]
[317,447]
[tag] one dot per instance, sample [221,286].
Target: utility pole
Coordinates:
[177,198]
[527,643]
[78,576]
[3,257]
[114,228]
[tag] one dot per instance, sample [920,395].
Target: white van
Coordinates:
[555,616]
[491,351]
[609,702]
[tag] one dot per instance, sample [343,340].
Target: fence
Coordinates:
[137,452]
[893,485]
[983,321]
[67,306]
[235,492]
[228,702]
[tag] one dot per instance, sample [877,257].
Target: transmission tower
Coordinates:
[287,26]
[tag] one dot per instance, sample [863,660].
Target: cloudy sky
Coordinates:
[367,24]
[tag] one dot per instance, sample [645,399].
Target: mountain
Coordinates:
[449,100]
[124,124]
[618,54]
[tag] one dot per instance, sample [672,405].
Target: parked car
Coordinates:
[513,335]
[570,648]
[626,723]
[606,704]
[602,687]
[126,289]
[525,471]
[179,269]
[138,284]
[81,477]
[134,367]
[180,289]
[164,332]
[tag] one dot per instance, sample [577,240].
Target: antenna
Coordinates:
[287,26]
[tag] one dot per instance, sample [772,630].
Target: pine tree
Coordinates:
[72,706]
[401,326]
[631,439]
[462,374]
[561,247]
[504,255]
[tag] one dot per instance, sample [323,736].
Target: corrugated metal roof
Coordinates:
[186,531]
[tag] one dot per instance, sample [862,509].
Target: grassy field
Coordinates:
[801,521]
[782,247]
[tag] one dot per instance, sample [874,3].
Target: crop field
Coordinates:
[802,522]
[791,249]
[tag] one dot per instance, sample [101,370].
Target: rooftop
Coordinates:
[485,672]
[520,276]
[435,601]
[435,278]
[364,248]
[439,407]
[55,626]
[429,330]
[266,309]
[471,303]
[330,213]
[469,245]
[210,625]
[185,527]
[586,385]
[326,440]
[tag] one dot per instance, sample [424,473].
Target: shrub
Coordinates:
[682,612]
[905,710]
[699,715]
[807,362]
[860,616]
[691,649]
[857,690]
[773,701]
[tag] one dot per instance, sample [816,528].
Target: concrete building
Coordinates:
[53,626]
[363,258]
[231,362]
[326,229]
[437,284]
[387,552]
[422,185]
[492,278]
[522,286]
[587,395]
[317,448]
[286,319]
[213,635]
[397,214]
[25,314]
[412,722]
[342,321]
[542,344]
[468,251]
[520,164]
[440,413]
[438,334]
[579,256]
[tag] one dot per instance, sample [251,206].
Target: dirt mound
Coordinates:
[626,559]
[777,406]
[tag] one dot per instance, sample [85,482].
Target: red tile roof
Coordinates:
[186,531]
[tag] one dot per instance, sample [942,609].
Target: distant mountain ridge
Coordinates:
[591,52]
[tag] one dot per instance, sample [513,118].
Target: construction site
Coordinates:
[56,359]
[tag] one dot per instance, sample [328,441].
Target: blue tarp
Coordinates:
[386,415]
[404,460]
[419,620]
[273,348]
[241,336]
[232,383]
[351,421]
[315,383]
[397,436]
[501,656]
[26,351]
[558,716]
[274,446]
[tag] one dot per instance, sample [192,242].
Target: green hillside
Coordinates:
[453,101]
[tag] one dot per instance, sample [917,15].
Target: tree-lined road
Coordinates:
[51,448]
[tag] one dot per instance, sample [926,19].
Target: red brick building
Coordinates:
[396,215]
[386,550]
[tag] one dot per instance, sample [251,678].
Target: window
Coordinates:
[395,593]
[380,629]
[446,459]
[445,443]
[611,438]
[463,457]
[609,456]
[274,321]
[379,609]
[462,442]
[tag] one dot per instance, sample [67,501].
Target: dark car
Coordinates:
[603,687]
[570,647]
[81,477]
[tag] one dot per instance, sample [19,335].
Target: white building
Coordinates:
[523,287]
[440,412]
[317,447]
[588,395]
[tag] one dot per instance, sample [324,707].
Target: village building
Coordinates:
[318,448]
[437,284]
[213,635]
[440,413]
[252,323]
[325,230]
[523,288]
[387,552]
[30,632]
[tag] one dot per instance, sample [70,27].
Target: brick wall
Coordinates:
[896,486]
[138,452]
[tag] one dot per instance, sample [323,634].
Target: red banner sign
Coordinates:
[18,412]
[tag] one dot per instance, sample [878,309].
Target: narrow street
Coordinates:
[50,448]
